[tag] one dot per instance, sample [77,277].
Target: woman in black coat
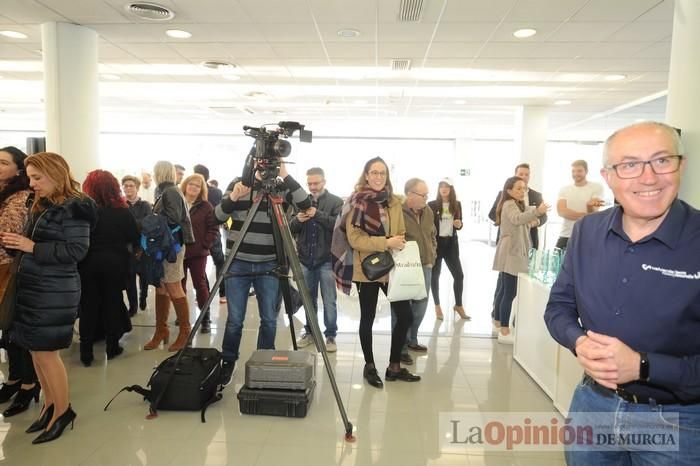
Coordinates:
[104,271]
[48,283]
[447,211]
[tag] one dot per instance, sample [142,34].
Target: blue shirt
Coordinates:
[646,293]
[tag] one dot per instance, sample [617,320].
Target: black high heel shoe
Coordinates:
[21,402]
[42,422]
[8,391]
[68,417]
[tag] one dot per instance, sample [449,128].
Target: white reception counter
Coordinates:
[552,366]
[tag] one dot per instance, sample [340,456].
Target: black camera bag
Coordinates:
[192,387]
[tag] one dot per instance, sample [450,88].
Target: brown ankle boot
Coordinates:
[182,310]
[162,333]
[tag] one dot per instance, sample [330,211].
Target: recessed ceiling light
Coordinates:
[13,34]
[110,77]
[615,77]
[178,34]
[460,102]
[231,76]
[525,33]
[562,102]
[348,33]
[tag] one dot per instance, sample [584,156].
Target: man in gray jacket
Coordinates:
[313,230]
[420,227]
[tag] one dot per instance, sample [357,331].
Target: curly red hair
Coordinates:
[104,189]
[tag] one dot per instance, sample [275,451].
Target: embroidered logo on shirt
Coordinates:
[672,273]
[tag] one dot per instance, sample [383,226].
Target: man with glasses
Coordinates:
[420,227]
[627,304]
[577,200]
[313,229]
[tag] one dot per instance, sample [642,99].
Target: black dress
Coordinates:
[104,274]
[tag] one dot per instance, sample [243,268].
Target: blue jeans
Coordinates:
[622,414]
[418,310]
[323,275]
[266,288]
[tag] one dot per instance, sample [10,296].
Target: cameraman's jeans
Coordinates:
[324,275]
[418,310]
[587,400]
[266,288]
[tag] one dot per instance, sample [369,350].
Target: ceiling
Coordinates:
[468,74]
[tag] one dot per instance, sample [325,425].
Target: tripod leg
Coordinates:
[280,224]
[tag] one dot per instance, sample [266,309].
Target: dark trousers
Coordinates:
[448,249]
[217,255]
[131,292]
[504,299]
[197,267]
[562,242]
[21,366]
[101,301]
[369,293]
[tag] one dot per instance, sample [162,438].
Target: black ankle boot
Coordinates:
[42,422]
[21,402]
[113,349]
[68,417]
[8,391]
[86,356]
[142,302]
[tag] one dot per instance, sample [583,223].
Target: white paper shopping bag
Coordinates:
[406,280]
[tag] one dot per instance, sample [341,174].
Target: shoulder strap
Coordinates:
[132,388]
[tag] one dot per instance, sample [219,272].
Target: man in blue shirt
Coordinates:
[627,300]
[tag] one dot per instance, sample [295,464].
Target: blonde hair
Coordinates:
[55,167]
[203,193]
[164,171]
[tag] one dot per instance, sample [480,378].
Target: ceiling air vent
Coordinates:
[410,11]
[218,65]
[150,11]
[400,64]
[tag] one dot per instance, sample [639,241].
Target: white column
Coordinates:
[533,123]
[71,94]
[683,98]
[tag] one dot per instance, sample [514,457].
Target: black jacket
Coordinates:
[436,207]
[314,236]
[171,203]
[139,210]
[535,198]
[48,284]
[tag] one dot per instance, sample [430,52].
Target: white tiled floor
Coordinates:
[464,371]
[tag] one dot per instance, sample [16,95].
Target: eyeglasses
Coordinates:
[635,169]
[424,196]
[376,173]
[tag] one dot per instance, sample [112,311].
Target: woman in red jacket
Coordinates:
[205,227]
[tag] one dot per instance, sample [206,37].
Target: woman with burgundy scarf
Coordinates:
[375,223]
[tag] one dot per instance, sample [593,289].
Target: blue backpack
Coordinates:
[158,243]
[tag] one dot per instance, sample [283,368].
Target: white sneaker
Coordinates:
[506,339]
[331,347]
[305,340]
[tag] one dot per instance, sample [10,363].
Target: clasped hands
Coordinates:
[609,361]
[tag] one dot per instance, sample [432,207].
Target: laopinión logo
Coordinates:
[538,431]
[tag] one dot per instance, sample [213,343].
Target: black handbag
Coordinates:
[193,385]
[377,264]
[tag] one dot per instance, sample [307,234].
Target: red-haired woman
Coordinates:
[104,271]
[205,227]
[48,284]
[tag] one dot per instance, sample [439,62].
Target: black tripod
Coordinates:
[287,259]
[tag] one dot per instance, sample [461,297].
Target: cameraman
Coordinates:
[256,256]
